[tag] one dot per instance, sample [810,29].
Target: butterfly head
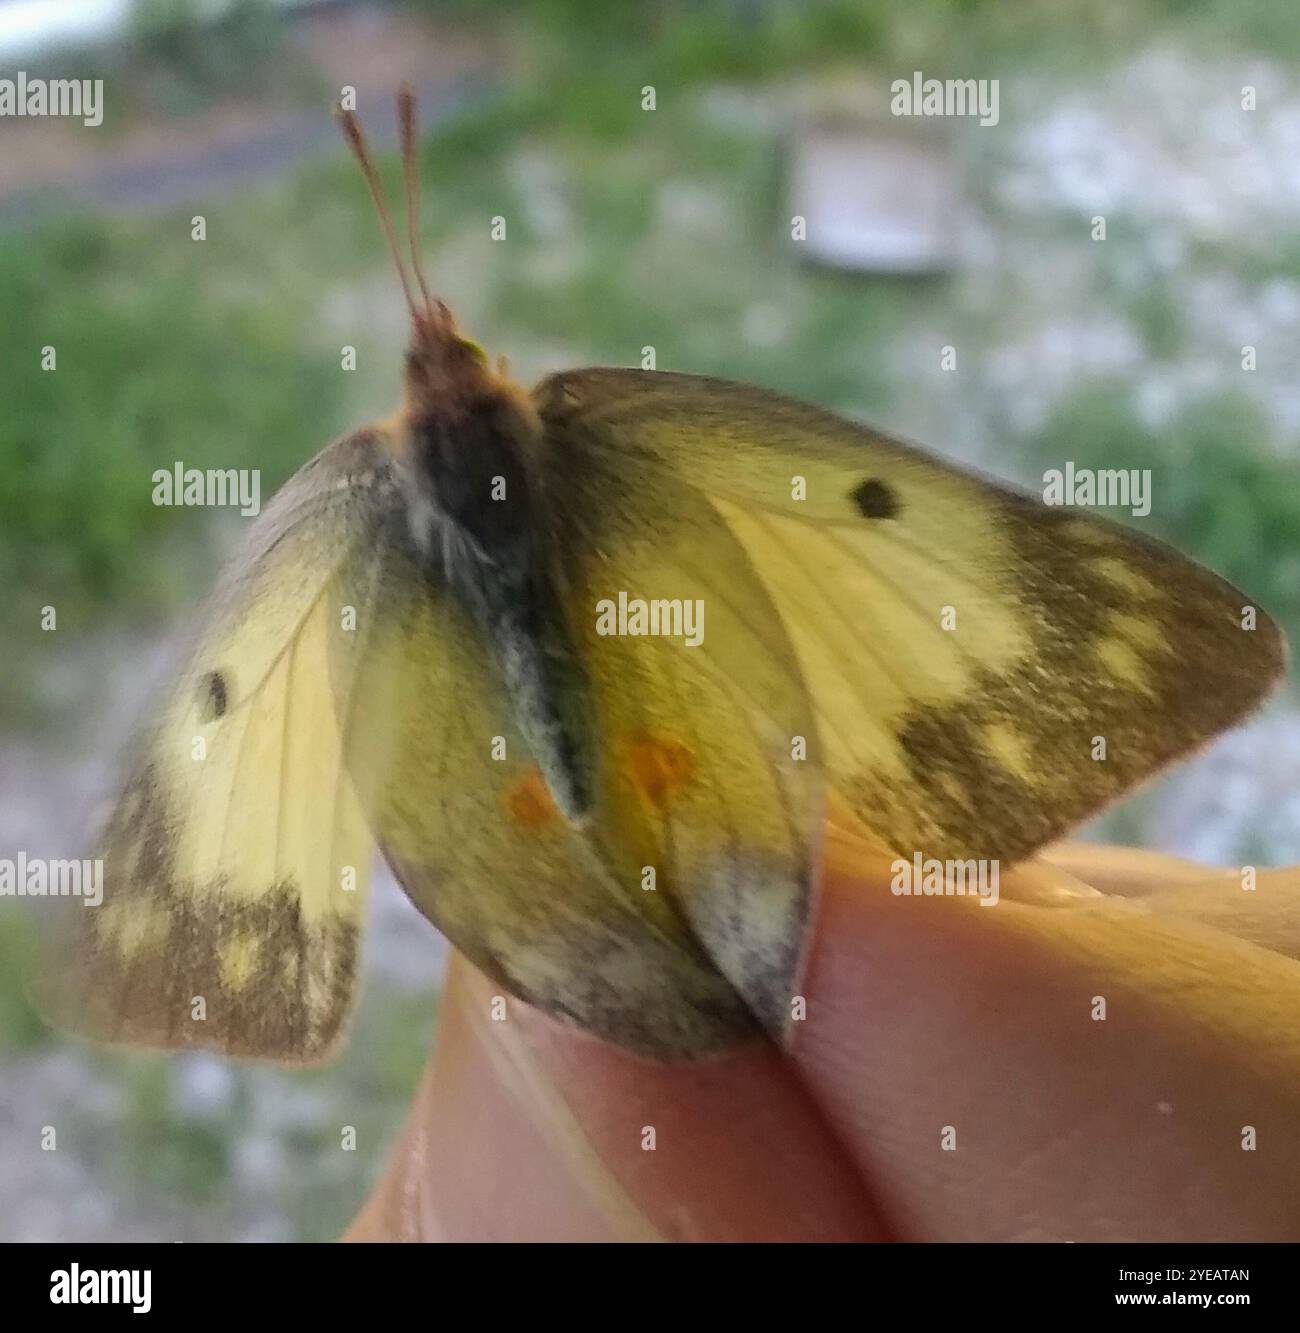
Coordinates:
[448,375]
[445,370]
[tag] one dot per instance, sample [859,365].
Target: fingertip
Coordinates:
[560,1136]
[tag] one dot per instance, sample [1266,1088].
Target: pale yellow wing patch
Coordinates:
[235,862]
[707,723]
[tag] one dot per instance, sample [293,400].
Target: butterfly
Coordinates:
[586,663]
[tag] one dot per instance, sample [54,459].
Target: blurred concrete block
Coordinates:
[879,195]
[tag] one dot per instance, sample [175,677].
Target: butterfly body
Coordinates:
[621,826]
[468,441]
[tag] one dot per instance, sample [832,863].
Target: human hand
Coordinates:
[922,1013]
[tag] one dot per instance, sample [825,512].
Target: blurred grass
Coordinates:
[160,357]
[196,52]
[216,1144]
[21,1029]
[208,1135]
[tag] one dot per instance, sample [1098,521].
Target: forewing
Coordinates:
[984,671]
[235,861]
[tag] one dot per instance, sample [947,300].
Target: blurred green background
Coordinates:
[626,228]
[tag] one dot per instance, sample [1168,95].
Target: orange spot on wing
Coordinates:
[529,801]
[660,766]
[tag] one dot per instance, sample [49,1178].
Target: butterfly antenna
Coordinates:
[351,128]
[411,172]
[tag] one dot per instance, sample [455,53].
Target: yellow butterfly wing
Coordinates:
[235,862]
[984,671]
[588,922]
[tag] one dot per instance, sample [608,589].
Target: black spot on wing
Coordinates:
[875,499]
[214,696]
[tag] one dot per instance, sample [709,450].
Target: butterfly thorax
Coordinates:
[476,517]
